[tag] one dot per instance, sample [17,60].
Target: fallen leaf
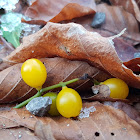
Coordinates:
[58,10]
[105,122]
[125,51]
[134,65]
[74,42]
[128,109]
[17,133]
[58,69]
[116,20]
[5,49]
[131,6]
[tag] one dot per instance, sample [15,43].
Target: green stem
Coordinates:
[28,100]
[39,93]
[96,82]
[61,84]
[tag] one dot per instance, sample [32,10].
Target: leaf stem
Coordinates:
[39,93]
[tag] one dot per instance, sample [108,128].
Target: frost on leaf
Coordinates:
[85,112]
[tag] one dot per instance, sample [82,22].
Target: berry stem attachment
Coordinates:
[39,93]
[93,80]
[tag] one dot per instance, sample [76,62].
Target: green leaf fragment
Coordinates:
[11,28]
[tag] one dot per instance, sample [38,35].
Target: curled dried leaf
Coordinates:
[58,10]
[74,42]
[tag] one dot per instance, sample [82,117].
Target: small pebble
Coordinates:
[39,106]
[98,20]
[68,124]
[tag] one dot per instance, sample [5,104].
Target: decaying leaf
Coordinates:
[20,133]
[101,89]
[13,88]
[116,20]
[128,109]
[101,93]
[125,51]
[5,49]
[132,6]
[133,64]
[74,42]
[58,10]
[105,122]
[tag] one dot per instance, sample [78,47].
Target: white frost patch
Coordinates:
[85,112]
[8,4]
[76,29]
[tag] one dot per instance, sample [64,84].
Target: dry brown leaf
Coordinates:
[5,49]
[128,109]
[105,121]
[116,20]
[13,88]
[58,10]
[74,42]
[131,6]
[133,64]
[17,134]
[124,50]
